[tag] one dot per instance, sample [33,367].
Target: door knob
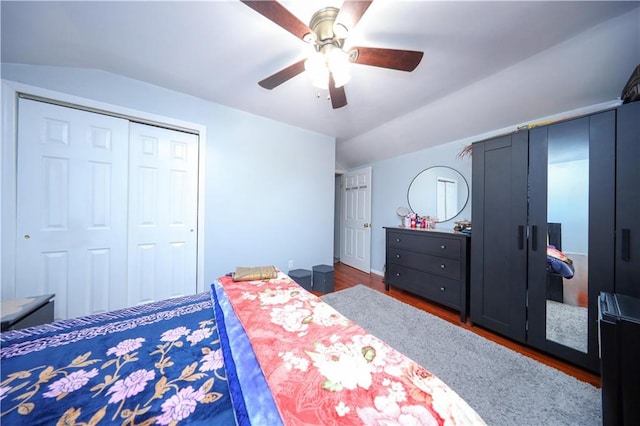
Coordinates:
[367,225]
[27,236]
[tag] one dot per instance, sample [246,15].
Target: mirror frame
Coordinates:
[462,179]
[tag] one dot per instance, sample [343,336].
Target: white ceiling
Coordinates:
[219,50]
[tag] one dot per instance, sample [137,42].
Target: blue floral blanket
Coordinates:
[159,363]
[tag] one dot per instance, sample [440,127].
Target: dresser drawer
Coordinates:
[430,286]
[432,264]
[423,242]
[444,266]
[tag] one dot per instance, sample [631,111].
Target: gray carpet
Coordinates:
[568,325]
[504,387]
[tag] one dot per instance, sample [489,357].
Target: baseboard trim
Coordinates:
[373,271]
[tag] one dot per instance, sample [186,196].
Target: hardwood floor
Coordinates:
[346,276]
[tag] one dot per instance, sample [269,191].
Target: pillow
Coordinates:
[253,273]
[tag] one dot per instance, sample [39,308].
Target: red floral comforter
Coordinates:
[324,369]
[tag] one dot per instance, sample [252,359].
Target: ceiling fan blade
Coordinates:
[337,94]
[277,13]
[351,12]
[403,60]
[283,75]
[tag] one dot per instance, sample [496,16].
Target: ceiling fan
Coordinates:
[326,34]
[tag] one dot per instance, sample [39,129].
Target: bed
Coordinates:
[263,352]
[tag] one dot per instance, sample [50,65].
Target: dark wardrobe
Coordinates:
[619,313]
[627,278]
[550,196]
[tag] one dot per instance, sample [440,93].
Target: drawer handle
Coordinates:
[397,274]
[442,289]
[443,247]
[398,240]
[443,266]
[397,256]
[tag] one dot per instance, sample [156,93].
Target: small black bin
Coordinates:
[302,277]
[323,278]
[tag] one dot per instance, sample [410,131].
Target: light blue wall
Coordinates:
[390,182]
[269,186]
[568,203]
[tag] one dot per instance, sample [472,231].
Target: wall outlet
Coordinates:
[290,264]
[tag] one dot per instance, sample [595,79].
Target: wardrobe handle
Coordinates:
[520,237]
[626,245]
[534,237]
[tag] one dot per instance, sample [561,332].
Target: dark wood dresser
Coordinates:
[433,264]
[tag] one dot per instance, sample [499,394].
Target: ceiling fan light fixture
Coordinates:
[331,60]
[316,68]
[322,23]
[338,63]
[310,38]
[321,83]
[341,78]
[340,30]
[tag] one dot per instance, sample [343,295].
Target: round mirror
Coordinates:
[440,192]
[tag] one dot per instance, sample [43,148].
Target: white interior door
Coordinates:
[163,181]
[356,220]
[71,208]
[446,198]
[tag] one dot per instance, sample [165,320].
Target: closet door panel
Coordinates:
[163,173]
[498,258]
[71,224]
[627,261]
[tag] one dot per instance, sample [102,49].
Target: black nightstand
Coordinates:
[27,312]
[619,327]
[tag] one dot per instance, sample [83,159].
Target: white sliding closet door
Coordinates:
[106,210]
[163,190]
[71,208]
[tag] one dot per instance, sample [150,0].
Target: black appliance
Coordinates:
[619,332]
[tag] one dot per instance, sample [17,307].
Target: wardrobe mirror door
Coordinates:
[568,234]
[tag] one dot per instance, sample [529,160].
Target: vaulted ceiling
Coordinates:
[486,65]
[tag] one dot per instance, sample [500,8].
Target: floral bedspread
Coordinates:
[159,363]
[324,369]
